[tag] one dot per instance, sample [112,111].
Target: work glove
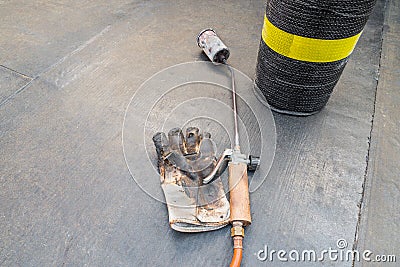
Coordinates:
[183,162]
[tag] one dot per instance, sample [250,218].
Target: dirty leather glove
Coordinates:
[183,162]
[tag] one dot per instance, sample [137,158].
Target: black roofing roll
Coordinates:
[304,48]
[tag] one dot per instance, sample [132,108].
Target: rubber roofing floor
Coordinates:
[68,70]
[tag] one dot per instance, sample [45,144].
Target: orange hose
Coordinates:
[237,251]
[237,257]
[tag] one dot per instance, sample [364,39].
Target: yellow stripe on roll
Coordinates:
[304,48]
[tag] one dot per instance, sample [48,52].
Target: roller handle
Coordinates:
[239,193]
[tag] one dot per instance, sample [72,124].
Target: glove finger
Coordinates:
[176,140]
[193,139]
[162,145]
[207,147]
[179,161]
[206,162]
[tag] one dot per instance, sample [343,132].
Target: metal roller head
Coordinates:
[212,46]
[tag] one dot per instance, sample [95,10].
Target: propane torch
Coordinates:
[238,163]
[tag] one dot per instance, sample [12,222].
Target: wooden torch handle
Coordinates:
[239,193]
